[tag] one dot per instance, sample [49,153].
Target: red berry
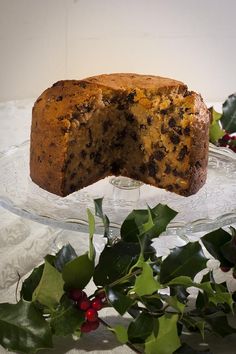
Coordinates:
[91,315]
[86,327]
[101,295]
[94,325]
[226,137]
[97,304]
[225,269]
[84,304]
[76,294]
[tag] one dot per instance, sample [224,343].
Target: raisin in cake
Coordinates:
[148,128]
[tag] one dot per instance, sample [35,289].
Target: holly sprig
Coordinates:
[223,125]
[131,278]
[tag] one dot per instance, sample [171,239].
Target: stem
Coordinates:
[165,307]
[125,277]
[17,286]
[130,345]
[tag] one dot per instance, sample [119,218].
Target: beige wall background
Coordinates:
[42,41]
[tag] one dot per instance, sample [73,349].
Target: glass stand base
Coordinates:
[125,188]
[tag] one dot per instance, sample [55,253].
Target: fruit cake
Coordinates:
[148,128]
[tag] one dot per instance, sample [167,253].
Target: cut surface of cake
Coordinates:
[148,128]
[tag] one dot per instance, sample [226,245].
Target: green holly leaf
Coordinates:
[121,333]
[140,328]
[194,324]
[205,286]
[151,222]
[153,303]
[64,255]
[222,298]
[50,288]
[181,280]
[201,326]
[115,262]
[174,303]
[228,251]
[183,261]
[145,283]
[180,292]
[228,118]
[166,341]
[216,132]
[119,301]
[92,252]
[31,283]
[131,227]
[219,325]
[22,328]
[78,272]
[214,241]
[100,214]
[162,216]
[66,319]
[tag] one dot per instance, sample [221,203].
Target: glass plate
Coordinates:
[212,207]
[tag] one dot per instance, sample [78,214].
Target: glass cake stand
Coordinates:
[212,207]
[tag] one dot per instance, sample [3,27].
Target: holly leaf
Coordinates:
[194,323]
[22,328]
[92,252]
[228,118]
[201,327]
[181,280]
[66,319]
[167,340]
[78,272]
[145,283]
[183,261]
[115,261]
[50,288]
[151,222]
[100,214]
[31,283]
[216,132]
[162,216]
[174,303]
[188,282]
[220,325]
[214,241]
[140,328]
[121,333]
[180,292]
[64,255]
[119,301]
[131,228]
[153,303]
[222,298]
[228,251]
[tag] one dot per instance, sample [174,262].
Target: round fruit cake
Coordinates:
[148,128]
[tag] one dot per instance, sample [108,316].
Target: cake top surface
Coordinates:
[132,81]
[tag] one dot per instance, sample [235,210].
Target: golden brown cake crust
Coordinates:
[54,121]
[121,81]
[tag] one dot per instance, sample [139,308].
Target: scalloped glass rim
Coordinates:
[22,197]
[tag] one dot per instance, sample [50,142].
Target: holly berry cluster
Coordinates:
[90,306]
[228,140]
